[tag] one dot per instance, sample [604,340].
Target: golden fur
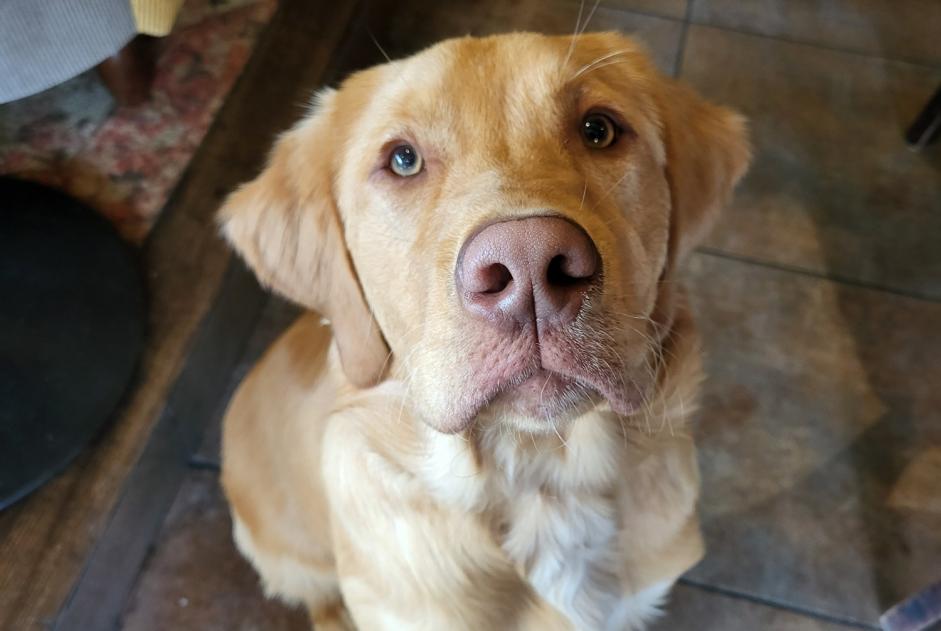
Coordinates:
[353,491]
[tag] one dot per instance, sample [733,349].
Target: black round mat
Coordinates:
[72,319]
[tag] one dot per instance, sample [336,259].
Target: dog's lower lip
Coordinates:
[537,392]
[505,390]
[540,379]
[541,393]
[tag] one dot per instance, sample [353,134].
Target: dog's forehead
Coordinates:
[512,82]
[476,104]
[471,79]
[497,68]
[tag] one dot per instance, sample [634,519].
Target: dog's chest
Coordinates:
[559,526]
[553,508]
[565,546]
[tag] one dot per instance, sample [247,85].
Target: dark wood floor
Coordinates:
[69,553]
[819,296]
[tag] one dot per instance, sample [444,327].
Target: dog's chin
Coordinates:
[541,401]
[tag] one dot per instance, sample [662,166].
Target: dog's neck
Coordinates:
[548,497]
[490,460]
[566,496]
[490,463]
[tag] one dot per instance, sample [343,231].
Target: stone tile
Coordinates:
[667,8]
[276,316]
[819,435]
[903,29]
[411,29]
[195,577]
[833,187]
[694,609]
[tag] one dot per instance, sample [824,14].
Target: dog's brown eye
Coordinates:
[599,131]
[405,161]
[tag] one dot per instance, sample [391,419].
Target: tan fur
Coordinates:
[362,503]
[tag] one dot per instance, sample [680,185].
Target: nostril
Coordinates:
[493,279]
[563,272]
[527,271]
[557,274]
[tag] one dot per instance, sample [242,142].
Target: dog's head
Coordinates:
[504,215]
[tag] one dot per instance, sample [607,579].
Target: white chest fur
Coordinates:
[556,502]
[566,548]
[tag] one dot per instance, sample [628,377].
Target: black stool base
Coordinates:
[72,322]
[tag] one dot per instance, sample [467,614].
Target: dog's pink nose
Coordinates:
[518,270]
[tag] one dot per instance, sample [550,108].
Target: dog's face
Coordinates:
[504,215]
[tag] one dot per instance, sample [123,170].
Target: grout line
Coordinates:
[828,276]
[684,36]
[199,463]
[688,21]
[835,49]
[776,604]
[608,6]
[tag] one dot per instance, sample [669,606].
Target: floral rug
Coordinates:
[126,161]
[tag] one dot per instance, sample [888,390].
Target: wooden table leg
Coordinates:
[927,125]
[129,73]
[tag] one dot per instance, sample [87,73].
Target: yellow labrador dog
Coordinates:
[486,426]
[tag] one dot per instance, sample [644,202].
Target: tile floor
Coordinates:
[819,296]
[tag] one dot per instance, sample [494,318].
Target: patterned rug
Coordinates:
[126,161]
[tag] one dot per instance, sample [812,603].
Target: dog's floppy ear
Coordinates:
[707,153]
[286,226]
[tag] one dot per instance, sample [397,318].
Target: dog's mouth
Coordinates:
[539,378]
[544,396]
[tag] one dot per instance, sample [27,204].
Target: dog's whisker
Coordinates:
[613,187]
[561,440]
[571,49]
[532,437]
[588,19]
[376,42]
[584,193]
[589,66]
[613,62]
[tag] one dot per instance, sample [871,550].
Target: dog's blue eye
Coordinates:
[598,131]
[405,161]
